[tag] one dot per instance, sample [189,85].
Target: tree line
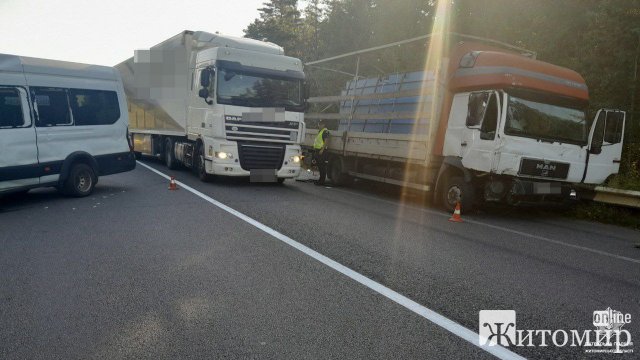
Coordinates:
[600,39]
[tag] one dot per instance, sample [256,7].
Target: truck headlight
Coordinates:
[223,155]
[295,159]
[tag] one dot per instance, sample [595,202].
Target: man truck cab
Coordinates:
[61,124]
[520,130]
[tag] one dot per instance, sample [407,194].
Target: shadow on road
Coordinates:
[46,196]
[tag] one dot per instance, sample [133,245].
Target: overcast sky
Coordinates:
[106,32]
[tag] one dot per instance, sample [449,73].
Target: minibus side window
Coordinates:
[11,115]
[52,105]
[94,107]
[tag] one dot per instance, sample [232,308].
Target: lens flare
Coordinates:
[431,95]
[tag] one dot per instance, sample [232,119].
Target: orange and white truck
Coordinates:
[488,123]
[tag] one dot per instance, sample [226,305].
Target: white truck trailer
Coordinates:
[219,105]
[488,124]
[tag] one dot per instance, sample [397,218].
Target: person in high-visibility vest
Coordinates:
[320,153]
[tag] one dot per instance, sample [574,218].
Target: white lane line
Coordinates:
[445,323]
[501,228]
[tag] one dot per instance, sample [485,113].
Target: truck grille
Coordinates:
[253,156]
[543,168]
[273,132]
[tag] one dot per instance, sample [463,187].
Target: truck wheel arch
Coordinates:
[199,144]
[451,166]
[75,158]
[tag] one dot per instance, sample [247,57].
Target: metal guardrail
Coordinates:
[627,198]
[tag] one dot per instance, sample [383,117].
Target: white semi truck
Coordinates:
[489,123]
[219,105]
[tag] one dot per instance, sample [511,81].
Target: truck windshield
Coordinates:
[255,90]
[538,120]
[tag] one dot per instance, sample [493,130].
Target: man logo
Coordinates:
[546,167]
[497,327]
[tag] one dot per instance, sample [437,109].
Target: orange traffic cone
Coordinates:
[172,184]
[456,214]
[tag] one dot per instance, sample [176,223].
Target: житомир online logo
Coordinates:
[498,327]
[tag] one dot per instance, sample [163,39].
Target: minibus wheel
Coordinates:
[81,181]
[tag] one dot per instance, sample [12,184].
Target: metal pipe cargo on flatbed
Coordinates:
[480,122]
[220,105]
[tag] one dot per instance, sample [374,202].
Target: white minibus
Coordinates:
[62,124]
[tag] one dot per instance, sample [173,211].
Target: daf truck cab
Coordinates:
[220,105]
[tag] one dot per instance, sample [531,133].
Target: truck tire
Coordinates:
[169,154]
[455,187]
[81,181]
[336,174]
[201,167]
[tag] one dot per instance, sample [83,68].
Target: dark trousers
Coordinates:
[321,162]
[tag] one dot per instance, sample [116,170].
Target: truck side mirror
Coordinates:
[205,78]
[306,90]
[204,93]
[477,107]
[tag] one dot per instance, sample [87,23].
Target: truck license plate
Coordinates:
[546,188]
[263,175]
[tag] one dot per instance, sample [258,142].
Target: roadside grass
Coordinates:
[627,179]
[629,176]
[607,214]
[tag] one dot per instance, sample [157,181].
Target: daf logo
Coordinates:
[235,128]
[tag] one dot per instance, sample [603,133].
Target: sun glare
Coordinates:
[431,94]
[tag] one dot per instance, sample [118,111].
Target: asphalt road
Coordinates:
[137,271]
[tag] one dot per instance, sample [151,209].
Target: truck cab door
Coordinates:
[480,133]
[19,158]
[200,99]
[605,145]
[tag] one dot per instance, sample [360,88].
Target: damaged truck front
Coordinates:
[488,124]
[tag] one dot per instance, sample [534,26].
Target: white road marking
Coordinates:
[445,323]
[502,228]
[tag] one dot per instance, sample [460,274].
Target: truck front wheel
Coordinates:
[336,173]
[202,167]
[456,189]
